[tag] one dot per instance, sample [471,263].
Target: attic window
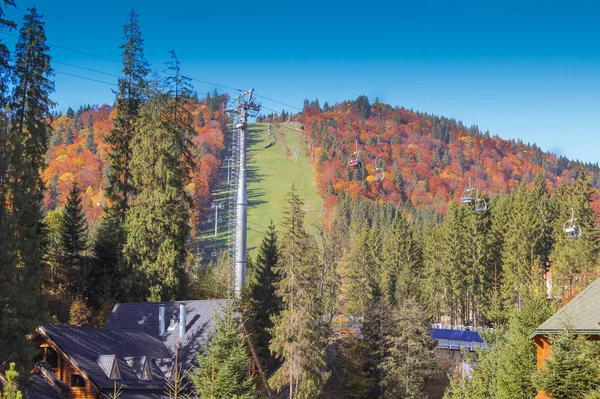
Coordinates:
[139,365]
[165,365]
[108,364]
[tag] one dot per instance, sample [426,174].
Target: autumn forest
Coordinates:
[432,222]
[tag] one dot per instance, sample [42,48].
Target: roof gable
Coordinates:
[93,349]
[582,312]
[108,364]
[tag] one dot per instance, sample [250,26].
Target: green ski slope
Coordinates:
[270,174]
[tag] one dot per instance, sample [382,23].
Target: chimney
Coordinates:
[182,320]
[161,320]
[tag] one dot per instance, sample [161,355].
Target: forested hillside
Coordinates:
[426,159]
[103,205]
[78,152]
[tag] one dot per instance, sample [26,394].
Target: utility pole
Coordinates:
[216,207]
[245,107]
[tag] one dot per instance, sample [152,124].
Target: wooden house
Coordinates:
[582,313]
[135,351]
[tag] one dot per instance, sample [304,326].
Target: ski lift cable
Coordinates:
[154,70]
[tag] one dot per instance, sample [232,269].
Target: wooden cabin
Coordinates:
[582,312]
[135,351]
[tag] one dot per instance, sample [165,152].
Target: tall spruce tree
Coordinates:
[574,262]
[573,369]
[434,285]
[222,371]
[402,262]
[89,139]
[28,138]
[526,243]
[7,260]
[107,280]
[5,152]
[157,222]
[299,331]
[132,93]
[457,263]
[408,358]
[263,301]
[74,232]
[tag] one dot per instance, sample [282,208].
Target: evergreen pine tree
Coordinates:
[29,132]
[572,371]
[157,222]
[222,371]
[434,285]
[108,280]
[526,243]
[402,262]
[10,389]
[457,264]
[130,97]
[574,261]
[298,332]
[89,140]
[5,150]
[74,240]
[263,301]
[409,358]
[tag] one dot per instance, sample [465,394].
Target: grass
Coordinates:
[271,173]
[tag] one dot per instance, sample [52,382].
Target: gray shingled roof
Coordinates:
[85,345]
[143,317]
[40,388]
[131,336]
[582,312]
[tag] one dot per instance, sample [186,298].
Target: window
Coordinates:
[77,380]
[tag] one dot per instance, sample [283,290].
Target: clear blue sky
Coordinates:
[528,70]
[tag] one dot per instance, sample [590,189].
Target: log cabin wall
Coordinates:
[86,391]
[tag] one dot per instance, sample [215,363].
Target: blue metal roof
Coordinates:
[455,335]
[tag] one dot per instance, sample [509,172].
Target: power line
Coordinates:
[84,68]
[278,102]
[69,49]
[84,77]
[155,70]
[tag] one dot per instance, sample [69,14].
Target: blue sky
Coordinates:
[526,70]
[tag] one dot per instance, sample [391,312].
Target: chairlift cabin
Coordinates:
[378,173]
[272,142]
[571,228]
[353,161]
[467,196]
[480,205]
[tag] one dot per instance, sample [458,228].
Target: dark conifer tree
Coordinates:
[89,140]
[222,371]
[7,260]
[157,223]
[130,97]
[263,301]
[402,262]
[299,331]
[30,108]
[74,240]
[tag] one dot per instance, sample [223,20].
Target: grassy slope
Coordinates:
[271,173]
